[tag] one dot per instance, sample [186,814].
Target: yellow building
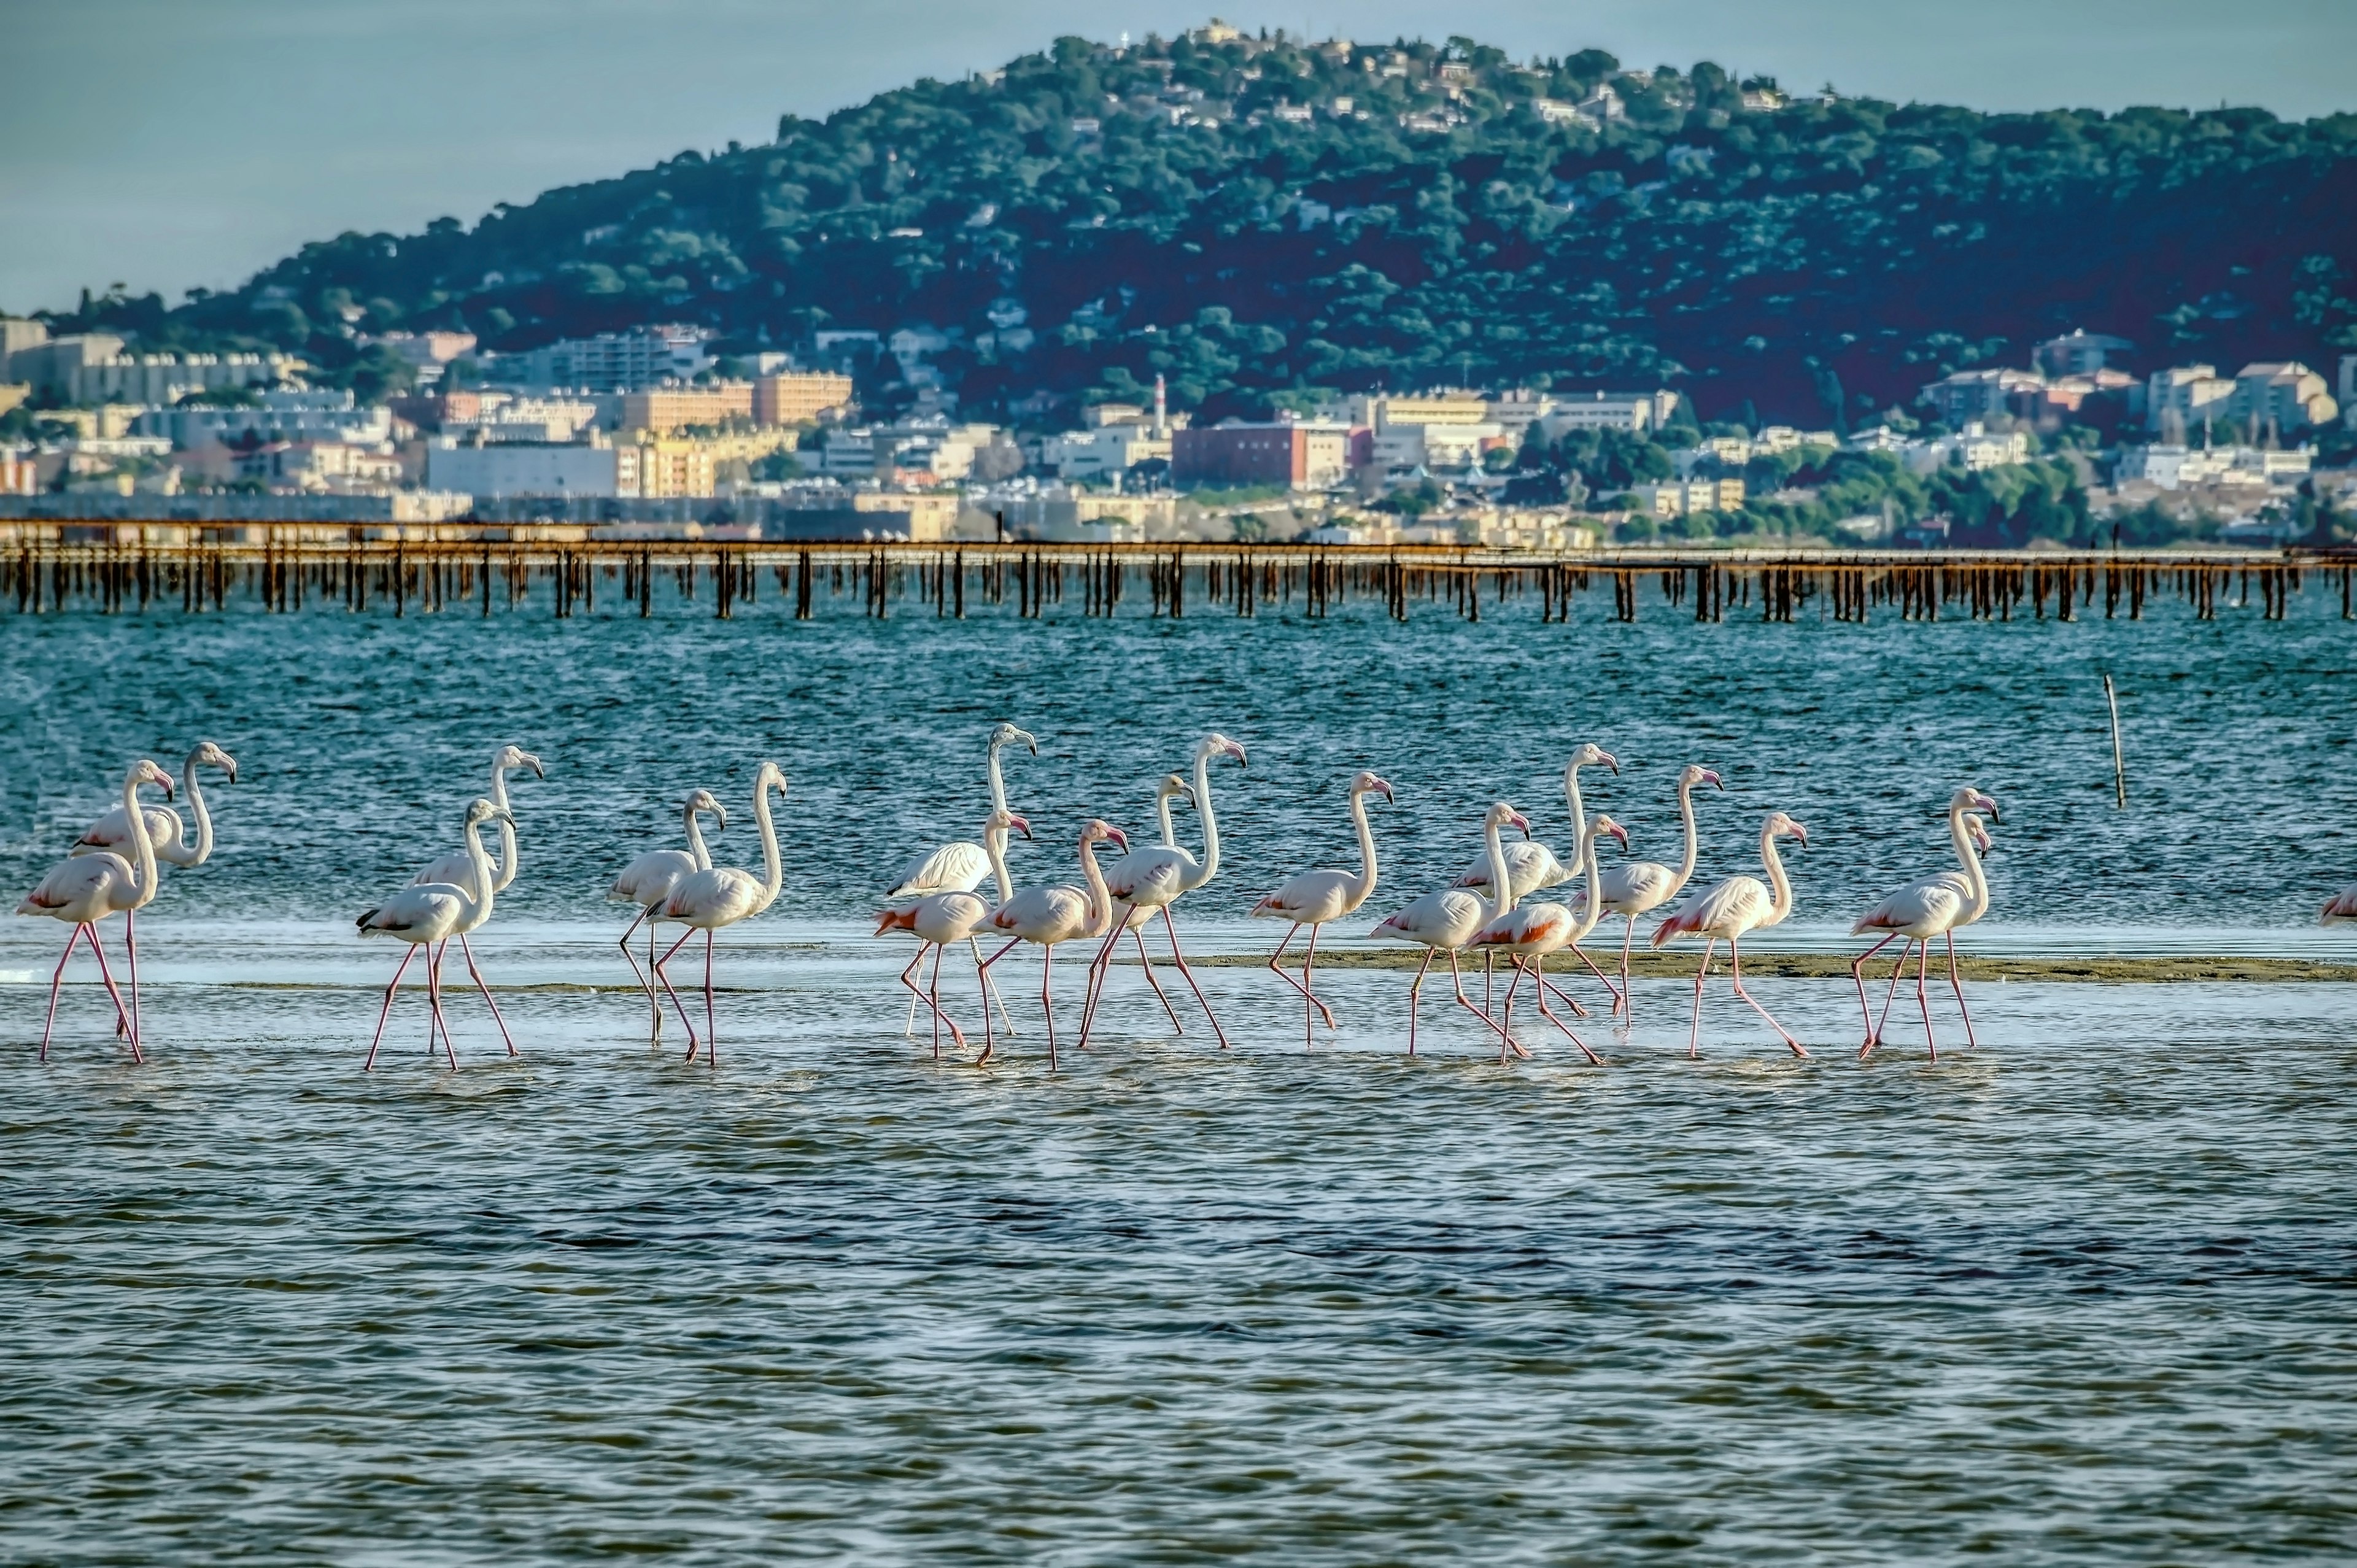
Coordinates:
[666,409]
[674,467]
[798,398]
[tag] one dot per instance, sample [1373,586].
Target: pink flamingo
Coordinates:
[1155,877]
[1047,916]
[86,889]
[2342,908]
[960,867]
[647,881]
[425,913]
[112,831]
[454,867]
[1639,887]
[952,916]
[1315,897]
[1927,908]
[1448,920]
[720,896]
[1135,916]
[1528,934]
[1725,912]
[1534,866]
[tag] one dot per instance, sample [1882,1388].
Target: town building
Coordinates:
[92,367]
[1299,456]
[1681,497]
[1635,412]
[2078,352]
[609,362]
[798,397]
[661,410]
[2184,398]
[282,416]
[2283,397]
[532,468]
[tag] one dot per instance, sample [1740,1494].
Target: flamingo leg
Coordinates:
[105,975]
[57,978]
[1628,1000]
[1092,981]
[1181,959]
[1858,974]
[910,1028]
[1488,980]
[711,1028]
[989,988]
[485,990]
[907,978]
[1509,1042]
[1137,934]
[1558,992]
[434,1004]
[1883,1022]
[1735,962]
[1308,996]
[1602,978]
[131,950]
[1693,1035]
[386,1010]
[981,971]
[1415,988]
[1924,997]
[1047,1000]
[1309,978]
[1538,973]
[631,959]
[940,1017]
[657,1036]
[1956,980]
[663,973]
[1507,1021]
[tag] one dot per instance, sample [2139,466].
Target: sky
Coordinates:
[172,143]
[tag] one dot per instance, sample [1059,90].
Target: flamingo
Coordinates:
[1725,912]
[2342,908]
[1046,916]
[716,895]
[425,913]
[1529,933]
[84,890]
[1448,920]
[1930,907]
[647,881]
[1636,887]
[1533,866]
[453,869]
[1134,919]
[954,916]
[960,867]
[112,831]
[1155,877]
[1314,897]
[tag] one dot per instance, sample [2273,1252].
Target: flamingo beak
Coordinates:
[1015,822]
[1384,785]
[232,764]
[1622,834]
[1713,779]
[1613,763]
[1521,822]
[1235,750]
[533,763]
[1801,833]
[1986,804]
[1118,836]
[498,816]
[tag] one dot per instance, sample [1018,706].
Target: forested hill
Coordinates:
[1251,215]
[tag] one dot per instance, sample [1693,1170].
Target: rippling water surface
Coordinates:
[2082,1293]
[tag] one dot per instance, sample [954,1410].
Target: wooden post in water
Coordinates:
[2119,758]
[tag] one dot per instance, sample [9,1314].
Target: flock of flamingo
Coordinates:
[115,867]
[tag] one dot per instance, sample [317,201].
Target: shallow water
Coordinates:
[2081,1292]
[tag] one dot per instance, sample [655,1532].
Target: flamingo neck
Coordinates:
[1974,877]
[773,871]
[1101,911]
[1365,884]
[507,869]
[1589,909]
[994,844]
[198,854]
[1685,815]
[1779,884]
[485,886]
[142,848]
[997,780]
[1578,810]
[1169,833]
[696,850]
[1210,867]
[1501,885]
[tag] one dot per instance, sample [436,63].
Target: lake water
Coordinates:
[2081,1294]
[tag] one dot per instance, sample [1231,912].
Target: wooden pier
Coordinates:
[131,567]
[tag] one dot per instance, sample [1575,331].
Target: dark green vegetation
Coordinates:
[1143,210]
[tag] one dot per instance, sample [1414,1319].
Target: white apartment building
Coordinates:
[1110,450]
[526,468]
[1974,448]
[2170,466]
[297,416]
[2186,397]
[609,362]
[1633,411]
[1679,497]
[92,367]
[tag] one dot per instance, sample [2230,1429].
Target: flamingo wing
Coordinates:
[1153,876]
[948,916]
[1543,926]
[420,912]
[953,868]
[1730,907]
[1443,920]
[1044,914]
[1634,886]
[2343,908]
[112,830]
[651,876]
[1529,866]
[1315,896]
[1921,908]
[84,883]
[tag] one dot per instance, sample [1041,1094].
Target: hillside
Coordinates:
[1252,215]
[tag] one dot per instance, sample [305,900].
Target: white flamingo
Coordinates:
[1726,911]
[1927,908]
[1447,921]
[1977,905]
[717,896]
[1047,917]
[952,916]
[84,890]
[1135,916]
[2342,908]
[456,865]
[1155,877]
[1637,888]
[960,867]
[1314,897]
[112,831]
[1532,865]
[425,913]
[1528,933]
[649,880]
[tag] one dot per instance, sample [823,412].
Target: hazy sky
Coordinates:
[172,143]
